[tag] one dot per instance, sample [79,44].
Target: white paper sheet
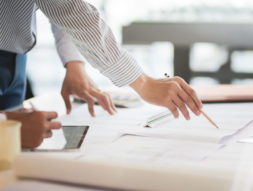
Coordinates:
[130,117]
[135,149]
[57,141]
[230,118]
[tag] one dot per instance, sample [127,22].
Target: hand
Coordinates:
[173,93]
[78,83]
[36,125]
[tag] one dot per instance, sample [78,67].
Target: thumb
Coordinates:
[66,98]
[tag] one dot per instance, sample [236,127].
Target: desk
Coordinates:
[233,36]
[235,156]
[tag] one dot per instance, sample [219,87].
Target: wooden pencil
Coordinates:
[209,119]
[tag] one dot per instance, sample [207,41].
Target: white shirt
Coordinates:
[81,23]
[65,47]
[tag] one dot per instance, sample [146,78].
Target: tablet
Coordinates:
[68,138]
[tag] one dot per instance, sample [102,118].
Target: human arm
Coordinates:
[36,125]
[66,49]
[82,22]
[77,82]
[83,25]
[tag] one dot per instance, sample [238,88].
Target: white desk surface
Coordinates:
[49,102]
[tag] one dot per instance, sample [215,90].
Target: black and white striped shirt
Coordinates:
[81,22]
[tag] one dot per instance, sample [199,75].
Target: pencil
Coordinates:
[33,106]
[201,111]
[209,119]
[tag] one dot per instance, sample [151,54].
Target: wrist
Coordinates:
[74,64]
[140,84]
[75,68]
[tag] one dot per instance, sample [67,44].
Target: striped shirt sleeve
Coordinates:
[81,21]
[66,49]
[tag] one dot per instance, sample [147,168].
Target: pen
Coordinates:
[201,111]
[33,106]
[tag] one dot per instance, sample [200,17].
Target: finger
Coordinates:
[53,125]
[50,115]
[90,101]
[191,93]
[100,98]
[104,100]
[91,108]
[171,106]
[112,105]
[189,101]
[66,98]
[48,134]
[181,106]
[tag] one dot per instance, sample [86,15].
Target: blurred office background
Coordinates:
[46,71]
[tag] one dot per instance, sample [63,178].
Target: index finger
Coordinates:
[53,125]
[187,88]
[50,115]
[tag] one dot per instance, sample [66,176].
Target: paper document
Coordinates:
[230,117]
[130,117]
[156,158]
[135,149]
[241,133]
